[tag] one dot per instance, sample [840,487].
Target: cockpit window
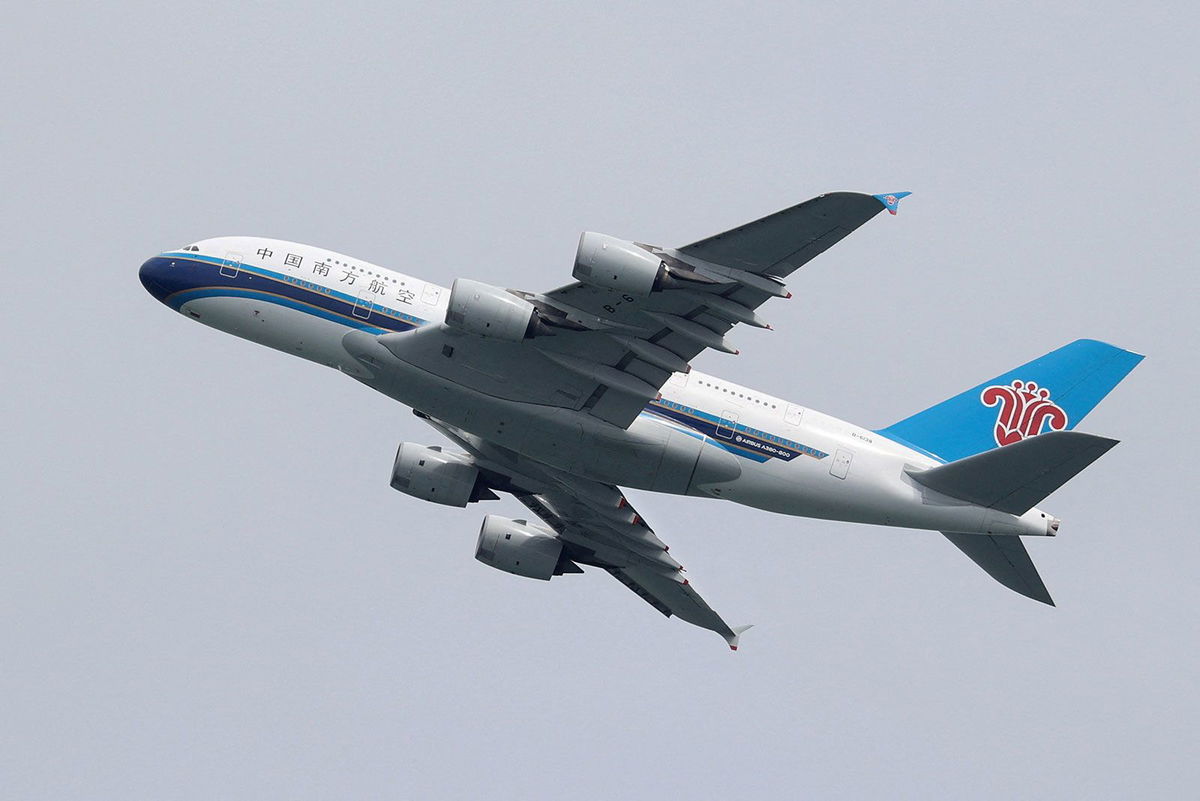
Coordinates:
[194,248]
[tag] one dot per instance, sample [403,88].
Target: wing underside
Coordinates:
[607,353]
[598,528]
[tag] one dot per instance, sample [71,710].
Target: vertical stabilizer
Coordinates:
[1050,393]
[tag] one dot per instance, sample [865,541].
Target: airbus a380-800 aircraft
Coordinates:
[560,398]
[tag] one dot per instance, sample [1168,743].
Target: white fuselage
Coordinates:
[703,436]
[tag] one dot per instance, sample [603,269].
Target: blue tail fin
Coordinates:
[1051,393]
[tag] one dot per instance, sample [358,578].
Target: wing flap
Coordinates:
[673,596]
[641,591]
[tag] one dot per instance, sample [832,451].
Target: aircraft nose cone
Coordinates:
[152,275]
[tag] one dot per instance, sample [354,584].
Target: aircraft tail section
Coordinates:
[1051,393]
[1005,559]
[1016,478]
[1013,479]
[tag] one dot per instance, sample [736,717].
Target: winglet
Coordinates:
[891,202]
[737,633]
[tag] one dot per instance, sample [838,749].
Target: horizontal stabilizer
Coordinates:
[1017,477]
[1006,560]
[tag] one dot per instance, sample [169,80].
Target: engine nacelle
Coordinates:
[479,308]
[516,547]
[610,263]
[432,475]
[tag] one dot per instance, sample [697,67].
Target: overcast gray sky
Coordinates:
[208,590]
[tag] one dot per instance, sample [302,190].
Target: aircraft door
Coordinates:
[728,424]
[793,414]
[231,264]
[363,304]
[841,464]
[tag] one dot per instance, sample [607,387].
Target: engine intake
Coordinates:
[516,547]
[479,308]
[610,263]
[432,475]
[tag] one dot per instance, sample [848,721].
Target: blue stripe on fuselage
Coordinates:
[742,440]
[179,299]
[174,284]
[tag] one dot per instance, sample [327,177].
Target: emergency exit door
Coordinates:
[363,304]
[231,264]
[727,424]
[841,464]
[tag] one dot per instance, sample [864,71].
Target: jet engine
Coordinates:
[433,475]
[516,547]
[479,308]
[610,263]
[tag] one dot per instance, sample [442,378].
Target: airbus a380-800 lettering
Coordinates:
[560,398]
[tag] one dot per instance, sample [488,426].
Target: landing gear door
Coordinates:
[727,424]
[231,264]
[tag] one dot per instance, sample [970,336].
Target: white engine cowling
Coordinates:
[610,263]
[516,547]
[432,475]
[479,308]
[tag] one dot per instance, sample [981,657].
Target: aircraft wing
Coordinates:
[598,527]
[607,352]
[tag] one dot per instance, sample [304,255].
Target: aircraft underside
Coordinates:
[561,398]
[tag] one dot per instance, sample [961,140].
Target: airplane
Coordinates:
[561,398]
